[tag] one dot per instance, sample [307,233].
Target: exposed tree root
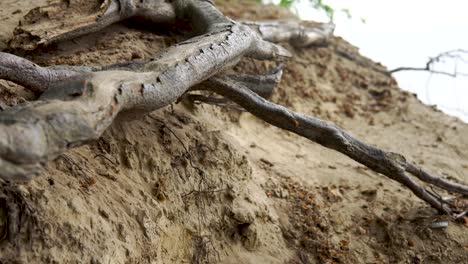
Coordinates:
[47,25]
[78,103]
[296,33]
[390,164]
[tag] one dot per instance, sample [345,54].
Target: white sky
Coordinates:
[405,33]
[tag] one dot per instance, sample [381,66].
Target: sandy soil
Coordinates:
[204,184]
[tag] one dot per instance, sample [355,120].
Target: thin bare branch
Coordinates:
[437,181]
[456,55]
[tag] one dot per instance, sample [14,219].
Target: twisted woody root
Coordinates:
[78,103]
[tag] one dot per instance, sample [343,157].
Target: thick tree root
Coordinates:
[68,19]
[298,34]
[32,76]
[73,111]
[78,103]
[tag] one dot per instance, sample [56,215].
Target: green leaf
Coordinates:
[286,3]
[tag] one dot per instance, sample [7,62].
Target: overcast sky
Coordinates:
[405,33]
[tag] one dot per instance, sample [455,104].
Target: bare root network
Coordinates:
[77,104]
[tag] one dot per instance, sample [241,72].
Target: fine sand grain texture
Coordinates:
[208,184]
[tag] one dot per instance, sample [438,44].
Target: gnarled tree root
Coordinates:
[78,103]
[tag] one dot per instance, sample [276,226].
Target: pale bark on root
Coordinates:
[79,103]
[46,25]
[298,34]
[32,76]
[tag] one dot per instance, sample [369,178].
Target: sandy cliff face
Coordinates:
[200,183]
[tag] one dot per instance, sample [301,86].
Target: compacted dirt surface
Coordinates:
[197,183]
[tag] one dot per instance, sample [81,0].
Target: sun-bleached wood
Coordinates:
[77,103]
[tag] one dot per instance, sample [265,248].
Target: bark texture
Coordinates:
[392,165]
[78,103]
